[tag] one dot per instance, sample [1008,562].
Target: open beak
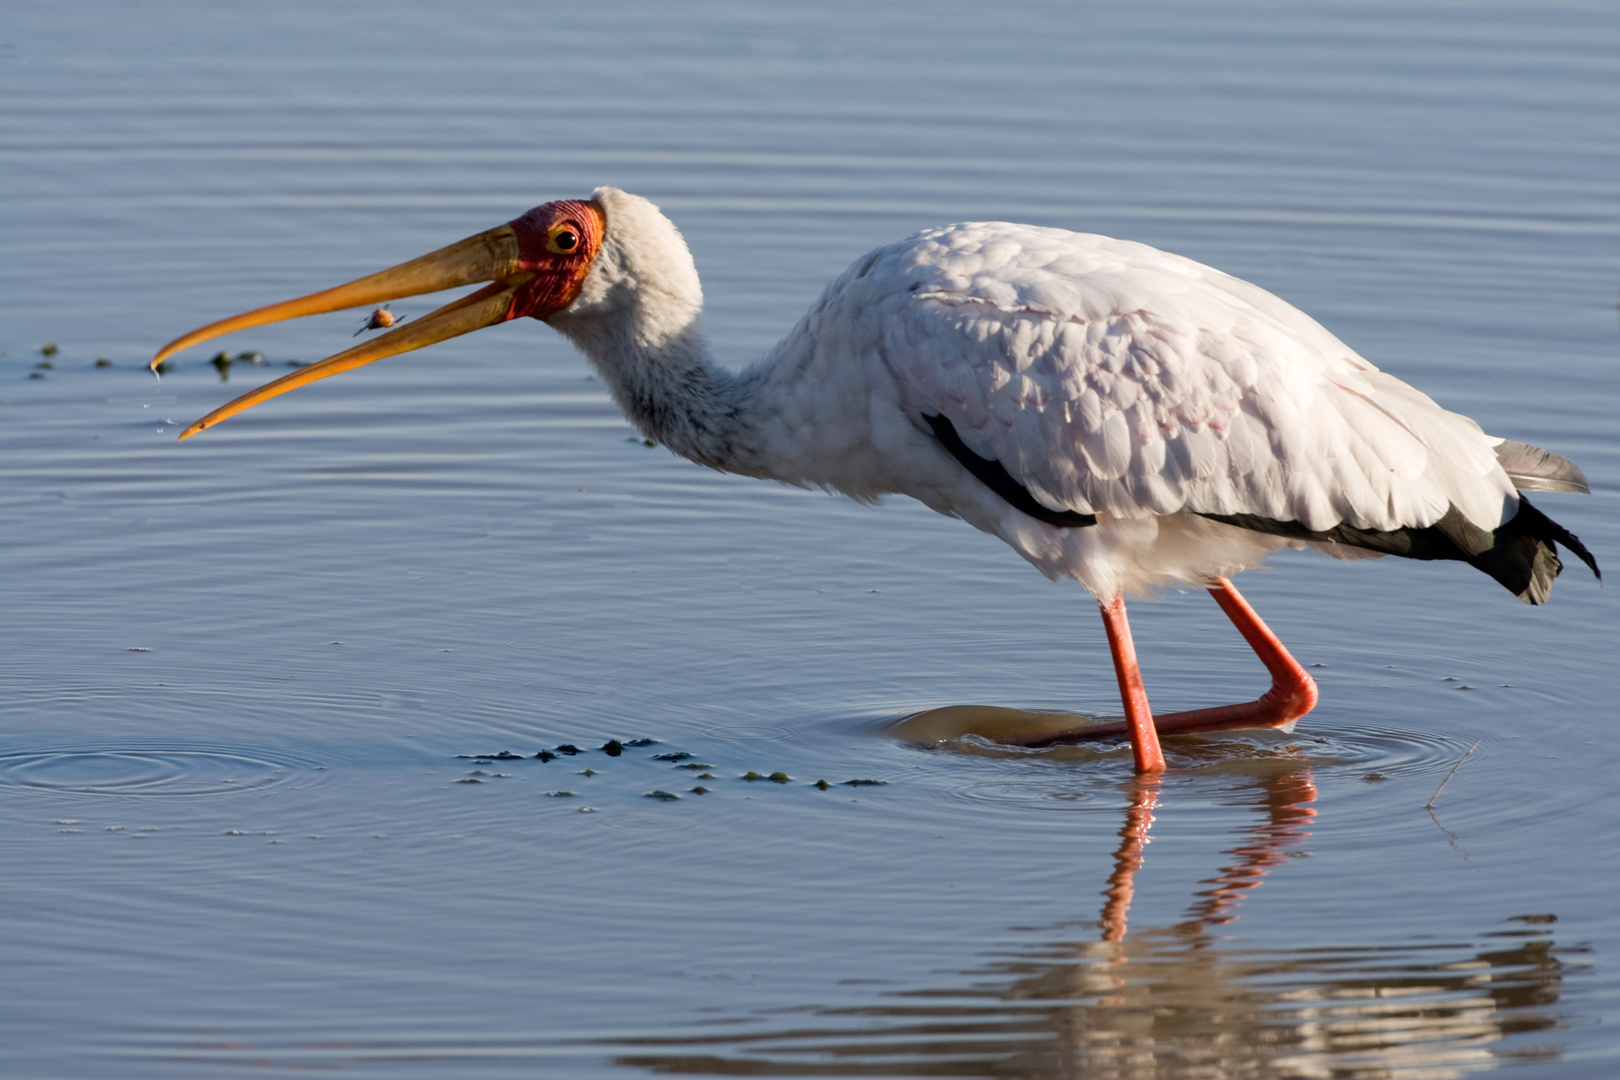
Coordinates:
[492,256]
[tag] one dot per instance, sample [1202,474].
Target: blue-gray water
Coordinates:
[238,672]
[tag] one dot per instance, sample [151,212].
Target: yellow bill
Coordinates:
[536,264]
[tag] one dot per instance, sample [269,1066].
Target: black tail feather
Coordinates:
[1520,553]
[1523,557]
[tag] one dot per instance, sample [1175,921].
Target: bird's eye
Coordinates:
[563,240]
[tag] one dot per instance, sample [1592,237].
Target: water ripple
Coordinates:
[974,730]
[1390,752]
[1038,793]
[146,772]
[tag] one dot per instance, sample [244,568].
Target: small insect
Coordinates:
[379,319]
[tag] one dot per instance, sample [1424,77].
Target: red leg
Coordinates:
[1292,694]
[1293,691]
[1138,717]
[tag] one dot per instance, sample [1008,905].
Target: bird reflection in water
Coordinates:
[1176,1003]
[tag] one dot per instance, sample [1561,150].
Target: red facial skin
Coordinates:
[558,274]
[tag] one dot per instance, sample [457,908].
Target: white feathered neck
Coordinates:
[638,319]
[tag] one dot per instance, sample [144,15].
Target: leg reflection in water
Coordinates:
[1175,1002]
[1288,799]
[1133,838]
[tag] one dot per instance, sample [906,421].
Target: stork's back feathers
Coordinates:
[1099,378]
[1096,403]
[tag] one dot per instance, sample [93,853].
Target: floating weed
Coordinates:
[612,748]
[48,349]
[775,777]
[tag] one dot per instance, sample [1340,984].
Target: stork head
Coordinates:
[538,265]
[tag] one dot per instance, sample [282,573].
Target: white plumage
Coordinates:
[1106,376]
[1119,415]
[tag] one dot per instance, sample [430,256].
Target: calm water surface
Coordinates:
[242,677]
